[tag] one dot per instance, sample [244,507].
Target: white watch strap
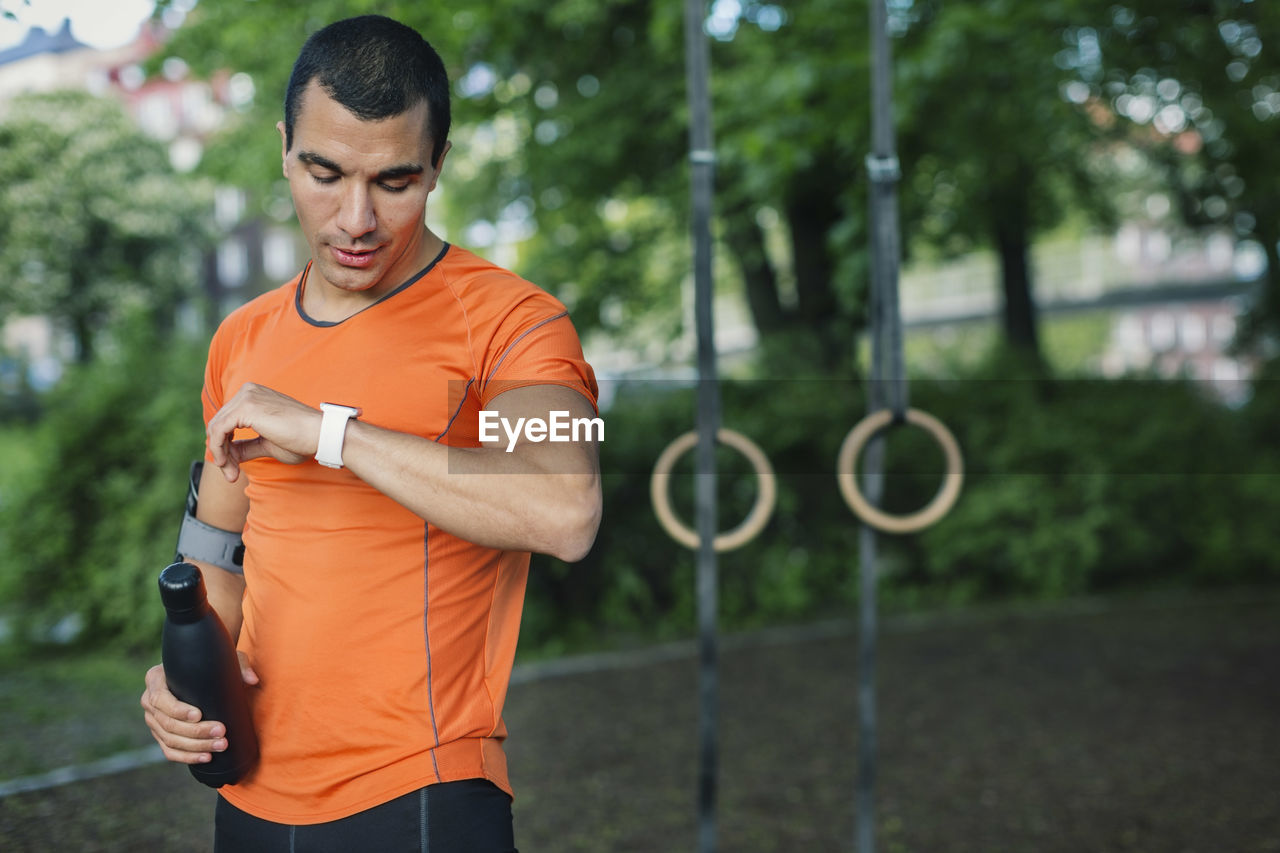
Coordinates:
[333,429]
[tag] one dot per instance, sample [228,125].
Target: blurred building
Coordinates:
[45,62]
[1173,297]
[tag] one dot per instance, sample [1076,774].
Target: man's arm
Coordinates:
[541,496]
[223,505]
[177,726]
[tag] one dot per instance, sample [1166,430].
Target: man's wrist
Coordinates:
[333,428]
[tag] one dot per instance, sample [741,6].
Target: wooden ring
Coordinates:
[846,473]
[757,518]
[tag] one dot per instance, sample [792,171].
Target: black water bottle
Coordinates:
[202,669]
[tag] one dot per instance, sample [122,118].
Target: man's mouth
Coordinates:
[353,257]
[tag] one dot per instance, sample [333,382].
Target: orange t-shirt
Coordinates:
[384,645]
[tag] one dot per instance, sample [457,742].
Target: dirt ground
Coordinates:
[1140,726]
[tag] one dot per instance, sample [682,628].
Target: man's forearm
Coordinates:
[545,498]
[226,595]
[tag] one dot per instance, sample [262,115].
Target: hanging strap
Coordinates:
[702,168]
[887,387]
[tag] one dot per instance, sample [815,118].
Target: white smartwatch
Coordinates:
[333,428]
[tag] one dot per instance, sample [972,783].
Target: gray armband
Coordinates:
[204,542]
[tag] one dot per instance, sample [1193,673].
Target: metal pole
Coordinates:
[887,385]
[702,166]
[866,782]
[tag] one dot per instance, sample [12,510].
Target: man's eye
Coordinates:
[394,188]
[324,179]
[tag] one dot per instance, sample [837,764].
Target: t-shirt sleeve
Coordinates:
[213,395]
[215,392]
[536,344]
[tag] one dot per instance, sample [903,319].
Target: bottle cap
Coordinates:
[182,588]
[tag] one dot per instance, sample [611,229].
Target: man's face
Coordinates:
[360,190]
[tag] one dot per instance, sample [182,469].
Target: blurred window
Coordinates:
[233,263]
[156,116]
[1162,333]
[1191,332]
[228,206]
[278,255]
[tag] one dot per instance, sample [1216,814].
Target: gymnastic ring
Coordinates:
[757,518]
[942,502]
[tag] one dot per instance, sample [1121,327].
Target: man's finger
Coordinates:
[249,448]
[247,672]
[190,737]
[226,455]
[158,698]
[217,446]
[178,757]
[187,750]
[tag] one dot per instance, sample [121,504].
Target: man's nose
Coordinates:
[356,217]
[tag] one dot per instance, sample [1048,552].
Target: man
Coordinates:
[386,552]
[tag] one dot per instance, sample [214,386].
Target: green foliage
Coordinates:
[1006,112]
[93,220]
[1084,485]
[985,133]
[88,525]
[1073,487]
[571,122]
[19,401]
[578,125]
[1194,86]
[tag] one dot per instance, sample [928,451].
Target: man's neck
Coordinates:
[327,303]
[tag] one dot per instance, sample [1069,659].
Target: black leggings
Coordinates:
[472,816]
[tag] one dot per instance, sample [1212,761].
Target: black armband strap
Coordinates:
[204,542]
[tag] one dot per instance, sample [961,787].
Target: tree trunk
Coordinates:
[1270,302]
[1020,322]
[82,332]
[745,240]
[811,214]
[80,312]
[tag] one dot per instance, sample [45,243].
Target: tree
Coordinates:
[93,219]
[571,131]
[1199,83]
[88,525]
[571,121]
[993,154]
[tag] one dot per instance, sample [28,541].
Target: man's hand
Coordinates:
[183,736]
[288,430]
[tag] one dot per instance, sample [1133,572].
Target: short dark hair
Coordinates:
[376,68]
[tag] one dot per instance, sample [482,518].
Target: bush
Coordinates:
[1088,486]
[87,528]
[1073,487]
[638,583]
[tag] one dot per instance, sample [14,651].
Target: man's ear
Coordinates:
[284,149]
[439,167]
